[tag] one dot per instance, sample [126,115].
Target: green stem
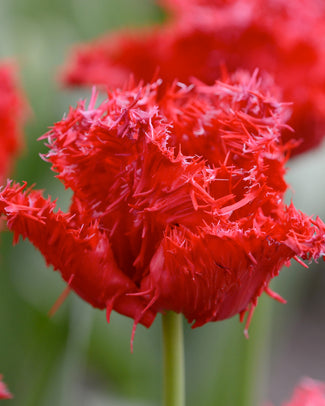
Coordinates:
[174,371]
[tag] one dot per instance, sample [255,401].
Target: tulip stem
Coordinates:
[174,371]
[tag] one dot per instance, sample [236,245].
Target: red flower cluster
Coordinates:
[12,114]
[308,393]
[4,393]
[177,201]
[283,37]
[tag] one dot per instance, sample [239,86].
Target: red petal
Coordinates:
[84,254]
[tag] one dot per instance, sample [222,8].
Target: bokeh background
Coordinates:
[75,357]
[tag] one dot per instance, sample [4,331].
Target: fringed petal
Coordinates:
[221,271]
[82,256]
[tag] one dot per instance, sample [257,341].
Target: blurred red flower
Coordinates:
[4,393]
[308,393]
[13,109]
[283,37]
[177,201]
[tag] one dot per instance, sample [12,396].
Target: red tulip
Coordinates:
[177,201]
[283,37]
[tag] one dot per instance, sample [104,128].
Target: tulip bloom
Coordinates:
[284,38]
[4,393]
[177,201]
[12,114]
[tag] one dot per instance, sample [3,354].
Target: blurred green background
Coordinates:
[75,357]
